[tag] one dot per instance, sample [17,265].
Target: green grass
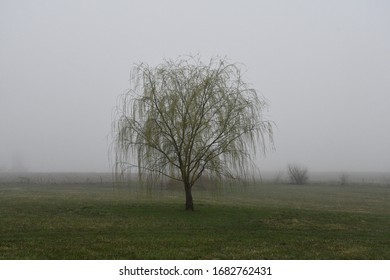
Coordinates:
[267,222]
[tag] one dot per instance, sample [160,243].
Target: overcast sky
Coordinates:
[323,66]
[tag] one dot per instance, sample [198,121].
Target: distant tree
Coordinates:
[297,174]
[344,179]
[184,118]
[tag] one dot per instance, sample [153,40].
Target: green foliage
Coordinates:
[183,118]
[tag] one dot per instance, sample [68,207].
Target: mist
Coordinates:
[323,66]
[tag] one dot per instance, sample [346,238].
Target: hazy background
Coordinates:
[324,67]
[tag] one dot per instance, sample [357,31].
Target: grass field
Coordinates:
[269,221]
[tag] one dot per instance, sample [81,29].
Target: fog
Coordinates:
[323,66]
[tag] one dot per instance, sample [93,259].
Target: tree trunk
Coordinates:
[189,202]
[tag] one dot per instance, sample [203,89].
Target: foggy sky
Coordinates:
[323,66]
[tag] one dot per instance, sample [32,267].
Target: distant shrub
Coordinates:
[297,174]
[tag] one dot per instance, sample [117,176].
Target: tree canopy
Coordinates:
[183,118]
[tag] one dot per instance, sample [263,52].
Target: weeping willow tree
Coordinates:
[183,119]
